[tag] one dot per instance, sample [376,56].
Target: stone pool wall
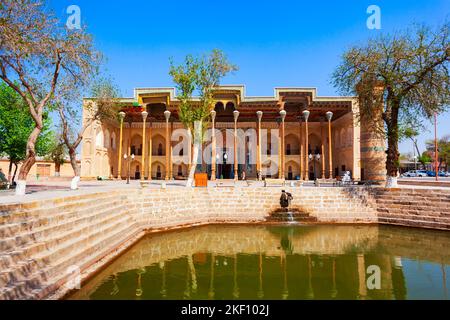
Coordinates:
[41,241]
[169,208]
[423,208]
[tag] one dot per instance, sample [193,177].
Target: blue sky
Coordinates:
[274,43]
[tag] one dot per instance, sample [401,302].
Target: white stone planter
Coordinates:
[391,182]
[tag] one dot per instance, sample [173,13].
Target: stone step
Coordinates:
[413,223]
[45,205]
[32,250]
[34,285]
[41,232]
[13,229]
[82,258]
[27,215]
[294,215]
[415,217]
[55,224]
[81,242]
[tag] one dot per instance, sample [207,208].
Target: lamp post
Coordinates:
[315,157]
[329,115]
[225,160]
[306,114]
[436,150]
[213,146]
[216,166]
[236,168]
[144,118]
[121,117]
[283,118]
[167,114]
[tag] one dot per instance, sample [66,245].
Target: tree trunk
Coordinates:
[196,149]
[30,160]
[15,172]
[393,155]
[57,169]
[195,152]
[76,169]
[417,147]
[10,180]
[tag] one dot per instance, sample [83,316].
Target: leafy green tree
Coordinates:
[202,75]
[58,153]
[425,158]
[443,150]
[41,58]
[16,125]
[411,134]
[399,79]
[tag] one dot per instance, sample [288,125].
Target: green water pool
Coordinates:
[279,262]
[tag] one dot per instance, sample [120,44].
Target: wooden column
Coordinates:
[280,162]
[121,117]
[301,148]
[322,148]
[167,115]
[306,114]
[129,158]
[330,149]
[283,148]
[171,177]
[213,146]
[144,118]
[150,152]
[259,114]
[236,164]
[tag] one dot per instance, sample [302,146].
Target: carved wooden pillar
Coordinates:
[322,138]
[144,118]
[306,114]
[301,148]
[150,152]
[236,164]
[167,115]
[259,114]
[330,149]
[121,117]
[213,146]
[283,148]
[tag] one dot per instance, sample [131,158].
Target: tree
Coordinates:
[443,150]
[204,75]
[411,134]
[45,58]
[16,125]
[398,79]
[104,106]
[425,158]
[58,153]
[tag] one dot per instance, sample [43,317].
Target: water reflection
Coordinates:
[259,262]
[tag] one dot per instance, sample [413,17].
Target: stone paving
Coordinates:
[51,189]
